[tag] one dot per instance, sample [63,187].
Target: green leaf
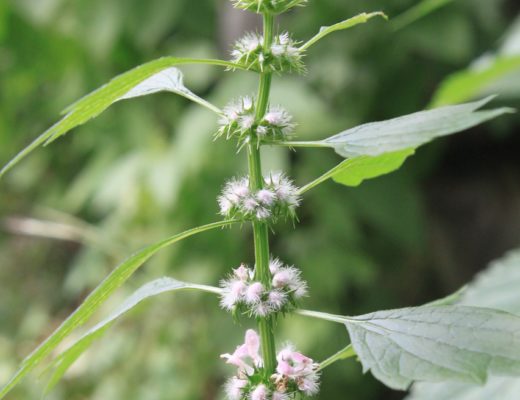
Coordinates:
[496,287]
[434,343]
[349,23]
[498,388]
[467,84]
[61,363]
[116,278]
[354,171]
[98,101]
[410,131]
[417,12]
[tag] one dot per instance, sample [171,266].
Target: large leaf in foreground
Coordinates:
[98,101]
[410,131]
[354,171]
[96,299]
[496,287]
[349,23]
[434,343]
[154,288]
[499,388]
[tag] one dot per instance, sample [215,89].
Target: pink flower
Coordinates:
[298,368]
[254,293]
[243,273]
[276,299]
[234,388]
[260,393]
[274,265]
[245,352]
[266,197]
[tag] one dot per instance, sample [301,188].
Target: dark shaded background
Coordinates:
[148,168]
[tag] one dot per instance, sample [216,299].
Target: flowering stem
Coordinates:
[260,229]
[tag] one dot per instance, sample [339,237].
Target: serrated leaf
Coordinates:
[349,23]
[98,296]
[434,343]
[496,287]
[98,101]
[467,84]
[410,131]
[354,171]
[61,363]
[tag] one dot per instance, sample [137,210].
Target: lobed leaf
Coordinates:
[117,89]
[116,278]
[410,131]
[61,363]
[349,23]
[434,343]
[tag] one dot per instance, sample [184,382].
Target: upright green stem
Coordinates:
[260,229]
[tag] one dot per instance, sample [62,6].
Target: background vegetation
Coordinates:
[148,168]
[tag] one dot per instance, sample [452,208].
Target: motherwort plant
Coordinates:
[440,341]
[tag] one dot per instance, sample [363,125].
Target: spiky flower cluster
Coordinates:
[278,199]
[295,373]
[268,6]
[283,55]
[242,294]
[238,120]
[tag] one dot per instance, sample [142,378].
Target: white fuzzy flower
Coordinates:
[274,265]
[254,293]
[249,205]
[280,396]
[262,213]
[243,273]
[234,387]
[266,197]
[261,309]
[276,299]
[260,393]
[262,130]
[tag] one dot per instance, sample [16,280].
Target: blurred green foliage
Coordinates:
[148,168]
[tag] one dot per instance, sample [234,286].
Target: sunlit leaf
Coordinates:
[154,288]
[118,276]
[434,343]
[349,23]
[467,84]
[98,101]
[354,171]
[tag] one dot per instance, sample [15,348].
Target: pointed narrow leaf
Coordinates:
[349,23]
[420,10]
[118,276]
[410,131]
[154,288]
[468,84]
[354,171]
[434,343]
[98,101]
[168,80]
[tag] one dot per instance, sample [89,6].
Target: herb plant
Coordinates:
[447,340]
